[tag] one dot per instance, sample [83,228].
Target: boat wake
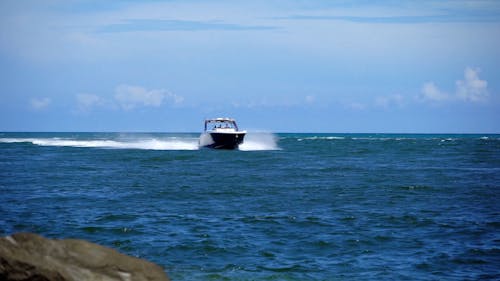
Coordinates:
[149,144]
[260,141]
[253,142]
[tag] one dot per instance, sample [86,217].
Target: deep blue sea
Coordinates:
[283,207]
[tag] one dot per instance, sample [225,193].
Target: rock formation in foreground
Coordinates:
[27,256]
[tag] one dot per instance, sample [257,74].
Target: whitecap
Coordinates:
[322,138]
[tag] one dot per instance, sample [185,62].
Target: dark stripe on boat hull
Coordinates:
[226,141]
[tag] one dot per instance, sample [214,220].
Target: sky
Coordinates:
[274,65]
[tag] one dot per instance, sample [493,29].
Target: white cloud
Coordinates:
[430,92]
[310,99]
[388,101]
[40,103]
[87,101]
[130,97]
[356,106]
[472,88]
[175,98]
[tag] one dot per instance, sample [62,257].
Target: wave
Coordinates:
[389,138]
[321,138]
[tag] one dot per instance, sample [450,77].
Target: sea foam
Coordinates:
[253,142]
[150,144]
[260,141]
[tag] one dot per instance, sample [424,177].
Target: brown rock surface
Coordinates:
[27,256]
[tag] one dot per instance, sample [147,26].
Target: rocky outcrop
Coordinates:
[27,256]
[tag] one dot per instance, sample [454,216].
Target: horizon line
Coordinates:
[265,131]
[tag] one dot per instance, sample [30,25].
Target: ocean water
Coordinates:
[283,207]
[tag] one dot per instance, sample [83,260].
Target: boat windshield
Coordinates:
[211,125]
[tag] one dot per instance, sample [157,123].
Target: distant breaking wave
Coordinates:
[391,138]
[321,138]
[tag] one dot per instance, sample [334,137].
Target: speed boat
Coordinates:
[221,133]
